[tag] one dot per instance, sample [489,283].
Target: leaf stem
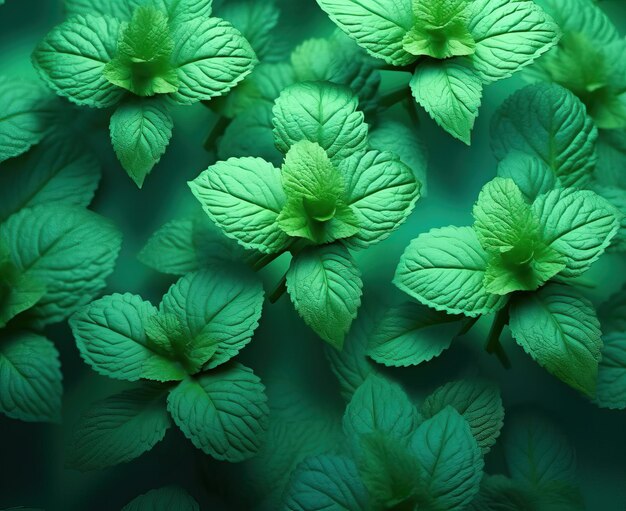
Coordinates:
[393,98]
[493,341]
[216,132]
[264,260]
[468,324]
[279,290]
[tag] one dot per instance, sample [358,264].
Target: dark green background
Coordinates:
[31,455]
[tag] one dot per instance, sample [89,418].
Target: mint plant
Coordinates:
[168,497]
[330,195]
[181,354]
[452,48]
[516,261]
[140,57]
[399,458]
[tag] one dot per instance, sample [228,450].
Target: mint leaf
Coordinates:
[479,403]
[140,133]
[210,57]
[168,498]
[499,493]
[30,378]
[326,482]
[142,61]
[584,17]
[611,387]
[81,46]
[382,192]
[119,429]
[18,293]
[53,172]
[451,92]
[325,285]
[410,333]
[69,250]
[578,224]
[616,197]
[559,329]
[531,174]
[377,26]
[244,197]
[537,453]
[315,207]
[217,312]
[451,464]
[323,113]
[445,269]
[509,35]
[380,406]
[550,123]
[22,124]
[111,337]
[224,412]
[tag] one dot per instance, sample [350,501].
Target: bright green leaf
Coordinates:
[531,174]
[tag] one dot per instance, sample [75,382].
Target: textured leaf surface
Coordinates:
[549,122]
[325,287]
[331,483]
[168,498]
[611,387]
[119,429]
[69,250]
[140,134]
[30,378]
[244,197]
[224,412]
[445,269]
[559,329]
[451,93]
[379,27]
[72,57]
[322,113]
[479,402]
[411,333]
[531,174]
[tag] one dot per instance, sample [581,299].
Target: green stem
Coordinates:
[279,290]
[493,341]
[393,98]
[216,132]
[265,259]
[467,325]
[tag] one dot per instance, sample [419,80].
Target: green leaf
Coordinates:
[315,206]
[509,35]
[224,413]
[23,121]
[168,498]
[531,174]
[140,133]
[611,387]
[381,190]
[403,140]
[30,378]
[389,472]
[69,250]
[451,92]
[53,172]
[499,493]
[445,269]
[244,197]
[537,453]
[218,311]
[142,61]
[351,365]
[441,30]
[410,333]
[450,461]
[380,406]
[559,329]
[617,198]
[323,113]
[119,429]
[111,337]
[18,293]
[72,57]
[578,224]
[550,123]
[256,21]
[325,285]
[326,482]
[478,401]
[210,57]
[377,26]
